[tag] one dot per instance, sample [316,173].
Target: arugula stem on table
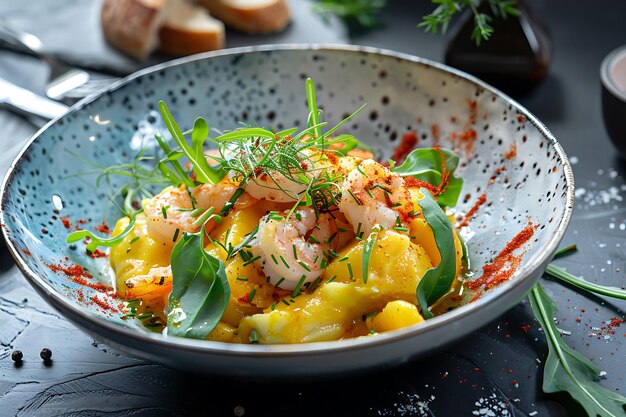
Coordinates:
[569,371]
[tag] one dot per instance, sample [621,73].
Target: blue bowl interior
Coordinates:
[513,160]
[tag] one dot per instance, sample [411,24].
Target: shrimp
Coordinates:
[169,214]
[372,194]
[158,281]
[275,187]
[172,211]
[217,195]
[294,249]
[281,188]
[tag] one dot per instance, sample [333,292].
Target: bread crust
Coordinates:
[269,18]
[179,41]
[130,25]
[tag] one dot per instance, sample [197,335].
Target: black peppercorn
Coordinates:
[45,354]
[17,356]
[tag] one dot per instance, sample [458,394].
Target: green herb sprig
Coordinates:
[141,175]
[441,17]
[96,241]
[365,12]
[362,12]
[368,248]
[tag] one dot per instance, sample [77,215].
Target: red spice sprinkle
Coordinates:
[469,134]
[496,272]
[82,221]
[103,228]
[435,133]
[481,200]
[26,252]
[66,222]
[71,270]
[512,153]
[520,118]
[407,144]
[103,304]
[98,286]
[97,254]
[578,320]
[245,299]
[44,231]
[526,327]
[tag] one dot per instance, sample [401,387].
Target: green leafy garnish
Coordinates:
[96,241]
[436,166]
[441,17]
[437,281]
[364,12]
[368,247]
[200,290]
[205,173]
[361,11]
[569,371]
[563,275]
[141,176]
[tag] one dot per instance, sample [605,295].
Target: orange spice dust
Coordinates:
[103,228]
[467,136]
[512,153]
[435,132]
[495,175]
[71,270]
[97,254]
[504,265]
[481,200]
[66,222]
[103,304]
[407,144]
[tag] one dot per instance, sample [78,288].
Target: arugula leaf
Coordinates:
[200,290]
[437,281]
[563,275]
[569,371]
[426,164]
[205,173]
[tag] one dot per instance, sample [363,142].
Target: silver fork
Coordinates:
[65,83]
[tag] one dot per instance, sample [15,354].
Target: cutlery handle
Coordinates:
[29,103]
[20,40]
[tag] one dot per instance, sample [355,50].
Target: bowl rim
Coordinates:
[304,349]
[605,72]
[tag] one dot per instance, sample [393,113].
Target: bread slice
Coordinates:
[251,16]
[132,26]
[190,29]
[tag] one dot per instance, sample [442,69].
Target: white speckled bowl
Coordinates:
[514,161]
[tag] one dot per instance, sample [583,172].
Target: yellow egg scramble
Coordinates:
[342,306]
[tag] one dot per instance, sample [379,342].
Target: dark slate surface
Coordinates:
[496,371]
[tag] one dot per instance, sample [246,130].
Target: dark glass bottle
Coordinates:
[515,59]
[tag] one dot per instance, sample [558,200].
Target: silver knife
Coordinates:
[28,103]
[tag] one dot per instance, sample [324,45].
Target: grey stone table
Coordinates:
[496,371]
